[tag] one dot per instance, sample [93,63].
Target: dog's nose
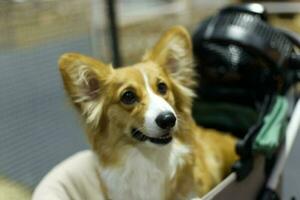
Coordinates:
[165,120]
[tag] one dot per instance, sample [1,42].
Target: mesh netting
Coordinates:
[37,126]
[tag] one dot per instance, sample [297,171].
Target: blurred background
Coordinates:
[38,127]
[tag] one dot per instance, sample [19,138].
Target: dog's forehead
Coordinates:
[149,69]
[136,73]
[129,75]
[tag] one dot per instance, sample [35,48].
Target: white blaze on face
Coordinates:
[156,105]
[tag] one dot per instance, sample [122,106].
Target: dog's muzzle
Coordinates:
[165,139]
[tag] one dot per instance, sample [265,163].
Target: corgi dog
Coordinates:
[139,124]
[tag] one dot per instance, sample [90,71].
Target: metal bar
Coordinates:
[220,187]
[113,29]
[291,133]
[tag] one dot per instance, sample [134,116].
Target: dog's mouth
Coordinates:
[138,135]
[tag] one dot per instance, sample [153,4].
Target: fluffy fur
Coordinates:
[188,166]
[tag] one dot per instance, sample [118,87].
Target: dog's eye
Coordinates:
[162,88]
[129,97]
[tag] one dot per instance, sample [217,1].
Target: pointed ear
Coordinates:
[173,52]
[84,81]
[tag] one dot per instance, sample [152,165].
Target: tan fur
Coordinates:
[95,90]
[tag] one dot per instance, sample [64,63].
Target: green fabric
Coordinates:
[224,116]
[271,134]
[238,119]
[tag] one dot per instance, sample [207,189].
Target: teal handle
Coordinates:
[271,134]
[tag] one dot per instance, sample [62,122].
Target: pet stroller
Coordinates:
[247,69]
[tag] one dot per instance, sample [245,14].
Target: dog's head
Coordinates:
[138,103]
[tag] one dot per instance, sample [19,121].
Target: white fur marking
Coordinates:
[156,106]
[176,159]
[142,175]
[144,172]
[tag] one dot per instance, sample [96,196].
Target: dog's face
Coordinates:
[138,103]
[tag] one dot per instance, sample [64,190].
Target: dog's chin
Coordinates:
[163,140]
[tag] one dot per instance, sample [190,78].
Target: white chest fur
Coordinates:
[144,173]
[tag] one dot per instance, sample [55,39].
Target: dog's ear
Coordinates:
[173,52]
[84,80]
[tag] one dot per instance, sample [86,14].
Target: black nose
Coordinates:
[165,120]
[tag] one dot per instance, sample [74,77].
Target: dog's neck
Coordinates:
[112,155]
[139,168]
